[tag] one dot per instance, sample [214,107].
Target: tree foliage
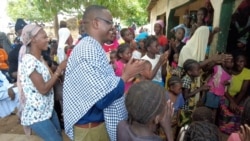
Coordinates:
[45,10]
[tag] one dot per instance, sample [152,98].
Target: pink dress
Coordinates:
[234,137]
[118,72]
[217,81]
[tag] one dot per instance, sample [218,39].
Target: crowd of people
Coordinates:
[139,87]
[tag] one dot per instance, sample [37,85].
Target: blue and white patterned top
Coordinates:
[38,107]
[88,78]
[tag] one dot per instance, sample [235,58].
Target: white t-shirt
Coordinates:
[153,62]
[136,54]
[38,107]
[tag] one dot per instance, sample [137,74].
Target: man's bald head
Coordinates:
[98,22]
[93,11]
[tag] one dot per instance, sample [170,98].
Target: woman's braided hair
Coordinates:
[144,101]
[202,131]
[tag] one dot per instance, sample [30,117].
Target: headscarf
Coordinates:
[141,36]
[195,47]
[160,22]
[64,34]
[29,31]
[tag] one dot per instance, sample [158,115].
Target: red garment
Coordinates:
[110,47]
[69,52]
[163,40]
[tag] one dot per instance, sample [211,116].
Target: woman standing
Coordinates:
[35,84]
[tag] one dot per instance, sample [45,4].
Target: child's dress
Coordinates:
[118,72]
[190,103]
[217,87]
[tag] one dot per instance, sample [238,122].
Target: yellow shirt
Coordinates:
[237,81]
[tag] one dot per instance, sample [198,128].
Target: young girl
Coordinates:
[175,96]
[127,36]
[232,104]
[146,106]
[217,83]
[158,62]
[176,45]
[174,64]
[123,56]
[186,26]
[189,88]
[174,92]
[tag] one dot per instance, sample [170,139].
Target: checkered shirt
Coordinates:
[88,78]
[186,83]
[113,114]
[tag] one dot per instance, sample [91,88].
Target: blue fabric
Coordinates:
[95,114]
[212,100]
[159,83]
[179,102]
[88,79]
[141,36]
[48,130]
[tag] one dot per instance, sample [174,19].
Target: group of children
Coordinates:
[181,89]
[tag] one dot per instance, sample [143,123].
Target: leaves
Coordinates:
[45,10]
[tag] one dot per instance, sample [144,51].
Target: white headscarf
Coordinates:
[64,34]
[195,47]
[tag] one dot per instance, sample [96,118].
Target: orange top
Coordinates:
[3,59]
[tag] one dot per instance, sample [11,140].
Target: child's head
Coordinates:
[113,56]
[146,73]
[124,52]
[202,131]
[145,103]
[246,113]
[175,85]
[126,35]
[179,34]
[240,62]
[229,63]
[191,68]
[202,14]
[202,114]
[176,57]
[152,45]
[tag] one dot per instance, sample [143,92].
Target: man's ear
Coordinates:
[95,24]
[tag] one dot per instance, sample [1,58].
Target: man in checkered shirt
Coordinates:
[90,85]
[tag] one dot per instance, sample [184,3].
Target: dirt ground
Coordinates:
[11,130]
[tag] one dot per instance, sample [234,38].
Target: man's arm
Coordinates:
[111,96]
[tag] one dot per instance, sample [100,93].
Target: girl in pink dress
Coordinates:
[124,54]
[217,83]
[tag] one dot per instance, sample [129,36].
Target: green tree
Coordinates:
[47,10]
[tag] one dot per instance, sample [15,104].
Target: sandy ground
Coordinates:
[11,130]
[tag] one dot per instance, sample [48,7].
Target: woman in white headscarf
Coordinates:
[65,39]
[195,47]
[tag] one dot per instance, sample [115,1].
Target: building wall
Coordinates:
[159,9]
[164,6]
